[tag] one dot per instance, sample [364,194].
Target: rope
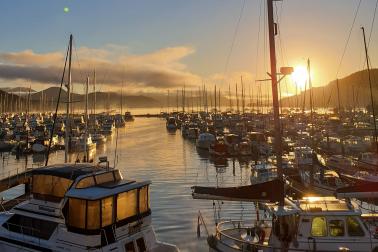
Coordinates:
[234,39]
[345,47]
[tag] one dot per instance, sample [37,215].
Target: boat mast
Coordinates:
[86,121]
[237,98]
[68,119]
[312,120]
[168,102]
[121,99]
[229,97]
[94,93]
[215,99]
[338,96]
[276,112]
[371,90]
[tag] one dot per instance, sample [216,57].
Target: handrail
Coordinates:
[22,228]
[106,238]
[221,233]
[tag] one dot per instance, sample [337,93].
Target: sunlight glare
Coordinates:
[300,76]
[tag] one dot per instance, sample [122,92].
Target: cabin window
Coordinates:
[319,227]
[107,211]
[336,228]
[143,199]
[126,205]
[129,247]
[141,244]
[30,226]
[76,213]
[93,215]
[86,182]
[47,185]
[354,227]
[104,177]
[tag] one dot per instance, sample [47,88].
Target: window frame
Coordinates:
[342,220]
[326,226]
[359,225]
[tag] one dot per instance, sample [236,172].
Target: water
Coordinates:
[146,151]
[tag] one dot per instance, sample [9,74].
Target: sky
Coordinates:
[155,45]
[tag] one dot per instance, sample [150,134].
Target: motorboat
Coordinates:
[218,148]
[98,138]
[309,224]
[204,140]
[244,148]
[81,207]
[171,123]
[263,172]
[128,117]
[81,143]
[324,182]
[341,164]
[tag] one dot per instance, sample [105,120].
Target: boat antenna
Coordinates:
[56,108]
[276,113]
[371,89]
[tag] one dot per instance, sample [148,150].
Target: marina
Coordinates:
[135,144]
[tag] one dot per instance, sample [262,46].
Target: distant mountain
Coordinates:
[17,90]
[354,90]
[104,100]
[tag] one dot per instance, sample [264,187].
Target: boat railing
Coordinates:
[25,231]
[223,228]
[104,234]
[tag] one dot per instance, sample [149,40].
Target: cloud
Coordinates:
[114,65]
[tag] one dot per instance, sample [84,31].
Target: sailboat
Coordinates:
[311,223]
[81,207]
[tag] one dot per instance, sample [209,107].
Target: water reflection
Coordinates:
[147,151]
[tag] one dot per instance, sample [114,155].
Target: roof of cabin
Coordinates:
[324,204]
[105,190]
[68,171]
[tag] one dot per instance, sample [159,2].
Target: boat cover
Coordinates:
[271,191]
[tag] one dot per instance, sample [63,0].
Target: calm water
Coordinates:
[146,151]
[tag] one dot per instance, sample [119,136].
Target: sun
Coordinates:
[300,76]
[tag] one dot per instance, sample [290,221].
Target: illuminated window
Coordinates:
[126,205]
[354,227]
[104,177]
[107,211]
[50,185]
[86,182]
[319,226]
[336,228]
[76,213]
[143,199]
[93,215]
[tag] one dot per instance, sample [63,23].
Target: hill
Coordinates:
[354,91]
